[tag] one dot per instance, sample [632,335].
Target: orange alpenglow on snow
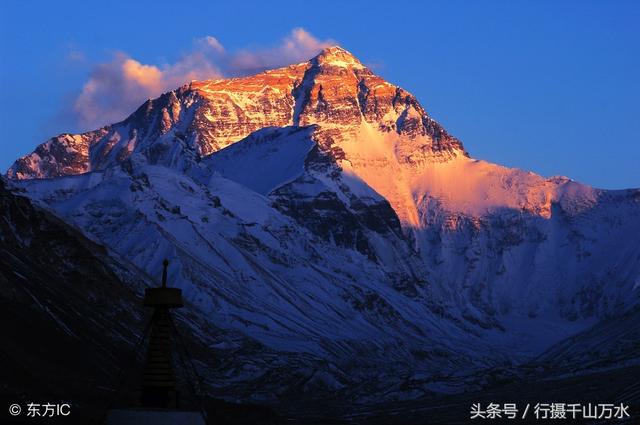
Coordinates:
[377,132]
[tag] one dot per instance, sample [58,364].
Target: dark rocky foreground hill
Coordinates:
[70,319]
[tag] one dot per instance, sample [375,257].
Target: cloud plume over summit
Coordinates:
[115,88]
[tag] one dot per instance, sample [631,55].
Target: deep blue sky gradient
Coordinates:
[548,86]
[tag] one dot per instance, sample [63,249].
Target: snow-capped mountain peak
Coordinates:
[337,56]
[332,89]
[318,210]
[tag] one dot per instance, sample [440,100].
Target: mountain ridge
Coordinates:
[208,115]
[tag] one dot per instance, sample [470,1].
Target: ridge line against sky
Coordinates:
[546,87]
[117,87]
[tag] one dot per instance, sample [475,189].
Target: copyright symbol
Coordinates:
[15,409]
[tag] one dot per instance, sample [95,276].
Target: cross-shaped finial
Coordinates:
[165,264]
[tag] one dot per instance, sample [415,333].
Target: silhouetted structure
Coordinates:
[159,396]
[159,381]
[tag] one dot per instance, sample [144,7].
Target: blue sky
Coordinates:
[548,86]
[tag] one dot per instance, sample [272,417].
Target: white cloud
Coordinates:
[214,44]
[298,46]
[116,88]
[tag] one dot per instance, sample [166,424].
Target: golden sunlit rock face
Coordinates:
[333,90]
[234,108]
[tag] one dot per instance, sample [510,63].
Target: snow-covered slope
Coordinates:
[512,252]
[251,269]
[319,211]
